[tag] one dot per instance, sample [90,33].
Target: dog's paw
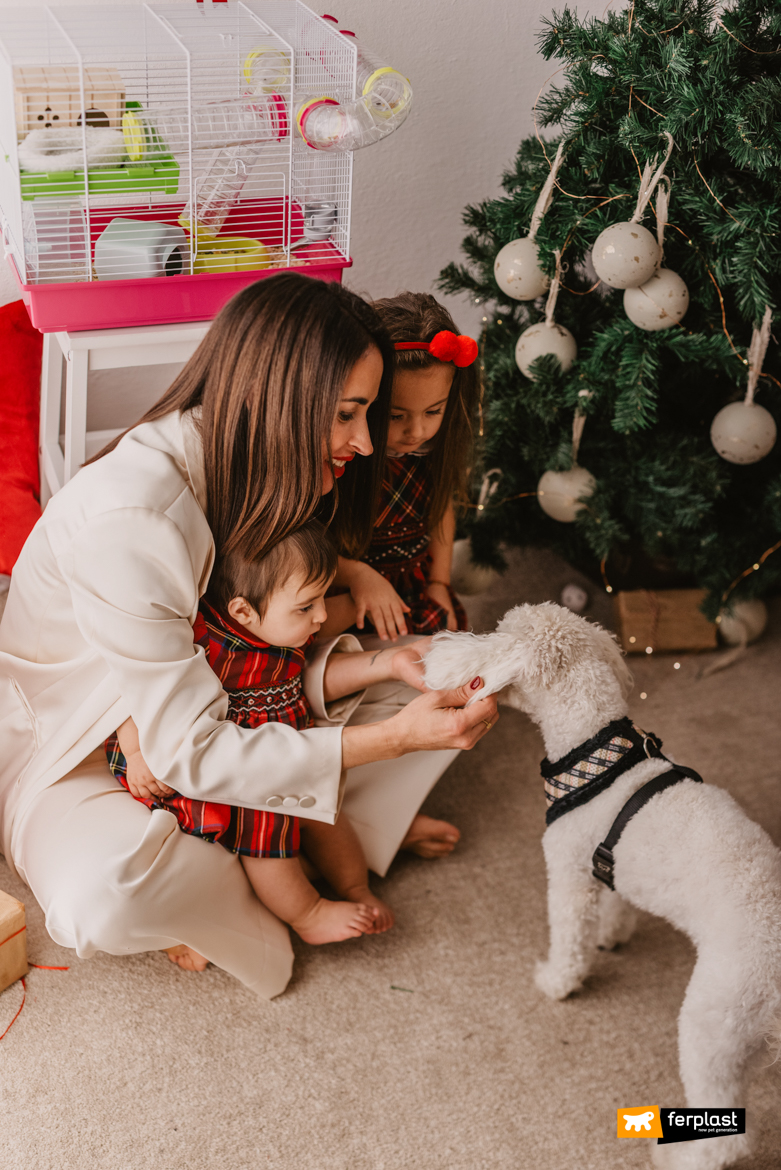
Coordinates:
[554,982]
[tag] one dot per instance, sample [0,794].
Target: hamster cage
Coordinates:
[158,157]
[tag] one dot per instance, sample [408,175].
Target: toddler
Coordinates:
[254,624]
[402,583]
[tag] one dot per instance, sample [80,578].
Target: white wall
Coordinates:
[476,74]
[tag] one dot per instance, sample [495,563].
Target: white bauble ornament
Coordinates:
[743,623]
[517,271]
[659,303]
[574,597]
[542,339]
[743,432]
[466,577]
[625,255]
[559,492]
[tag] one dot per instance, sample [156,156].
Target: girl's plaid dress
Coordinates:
[399,546]
[264,686]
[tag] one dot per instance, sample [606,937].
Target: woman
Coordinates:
[290,384]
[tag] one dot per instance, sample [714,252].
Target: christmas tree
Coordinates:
[663,497]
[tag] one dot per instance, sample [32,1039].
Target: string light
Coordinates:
[746,572]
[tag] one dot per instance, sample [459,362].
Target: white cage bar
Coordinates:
[149,141]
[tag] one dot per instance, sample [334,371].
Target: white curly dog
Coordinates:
[690,855]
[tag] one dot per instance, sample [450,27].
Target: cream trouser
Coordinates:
[111,876]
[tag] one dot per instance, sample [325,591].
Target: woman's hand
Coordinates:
[140,780]
[435,721]
[441,595]
[375,596]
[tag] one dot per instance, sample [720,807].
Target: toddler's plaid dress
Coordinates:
[263,684]
[399,546]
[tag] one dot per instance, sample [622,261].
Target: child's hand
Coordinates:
[440,593]
[406,664]
[375,596]
[140,780]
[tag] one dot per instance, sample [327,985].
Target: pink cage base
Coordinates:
[112,304]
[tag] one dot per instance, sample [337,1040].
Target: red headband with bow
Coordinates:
[447,347]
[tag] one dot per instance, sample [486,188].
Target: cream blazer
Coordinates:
[98,626]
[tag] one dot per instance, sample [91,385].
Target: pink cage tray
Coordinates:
[111,304]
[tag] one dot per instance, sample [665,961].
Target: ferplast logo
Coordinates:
[639,1121]
[689,1125]
[678,1125]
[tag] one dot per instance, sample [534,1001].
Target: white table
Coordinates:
[101,349]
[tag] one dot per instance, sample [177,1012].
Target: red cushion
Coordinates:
[20,385]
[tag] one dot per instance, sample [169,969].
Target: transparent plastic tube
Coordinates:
[382,105]
[387,91]
[219,190]
[327,125]
[236,122]
[267,69]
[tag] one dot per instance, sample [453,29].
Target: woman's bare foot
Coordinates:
[430,838]
[187,958]
[329,922]
[384,917]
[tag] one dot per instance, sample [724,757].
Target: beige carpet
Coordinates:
[428,1048]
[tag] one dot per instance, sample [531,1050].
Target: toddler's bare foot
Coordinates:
[331,922]
[430,838]
[187,958]
[384,917]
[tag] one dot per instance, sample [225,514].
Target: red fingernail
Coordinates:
[475,683]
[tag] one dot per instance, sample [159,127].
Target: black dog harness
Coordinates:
[592,767]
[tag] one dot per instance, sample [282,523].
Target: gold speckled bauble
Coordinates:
[541,339]
[625,255]
[559,492]
[743,432]
[659,303]
[517,271]
[743,622]
[465,576]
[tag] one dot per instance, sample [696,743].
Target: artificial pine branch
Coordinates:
[711,77]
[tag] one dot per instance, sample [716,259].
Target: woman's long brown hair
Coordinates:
[268,377]
[419,317]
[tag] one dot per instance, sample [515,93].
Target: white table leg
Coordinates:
[50,456]
[76,411]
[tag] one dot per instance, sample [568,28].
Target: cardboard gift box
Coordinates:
[663,619]
[13,941]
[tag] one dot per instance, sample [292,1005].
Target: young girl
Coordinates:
[254,624]
[402,581]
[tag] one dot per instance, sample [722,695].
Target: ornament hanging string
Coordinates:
[650,178]
[662,209]
[488,487]
[550,304]
[546,194]
[578,423]
[760,339]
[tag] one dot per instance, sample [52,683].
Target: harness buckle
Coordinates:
[603,863]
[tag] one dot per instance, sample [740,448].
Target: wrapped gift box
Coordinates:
[13,941]
[663,619]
